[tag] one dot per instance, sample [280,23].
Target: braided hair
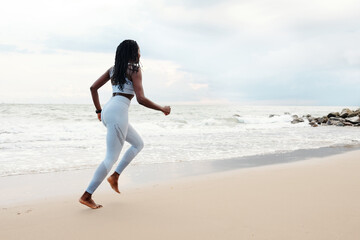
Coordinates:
[126,58]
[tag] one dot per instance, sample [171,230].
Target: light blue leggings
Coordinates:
[115,117]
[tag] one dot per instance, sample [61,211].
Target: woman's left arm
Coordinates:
[140,96]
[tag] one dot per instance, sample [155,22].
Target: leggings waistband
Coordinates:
[122,99]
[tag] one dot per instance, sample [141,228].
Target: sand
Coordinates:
[312,199]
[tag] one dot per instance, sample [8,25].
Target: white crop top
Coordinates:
[128,87]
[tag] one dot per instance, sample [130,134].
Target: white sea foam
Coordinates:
[45,138]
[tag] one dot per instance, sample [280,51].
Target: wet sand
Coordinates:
[318,198]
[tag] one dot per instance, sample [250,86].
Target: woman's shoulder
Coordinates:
[133,70]
[134,67]
[136,75]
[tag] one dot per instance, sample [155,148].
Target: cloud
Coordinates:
[7,48]
[247,51]
[64,77]
[166,80]
[197,86]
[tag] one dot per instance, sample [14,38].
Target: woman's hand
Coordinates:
[166,110]
[99,116]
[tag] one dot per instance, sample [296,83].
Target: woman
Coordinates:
[126,80]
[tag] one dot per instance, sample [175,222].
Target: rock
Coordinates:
[354,113]
[335,121]
[310,119]
[348,124]
[338,119]
[323,119]
[333,114]
[297,120]
[286,113]
[353,120]
[340,124]
[273,115]
[236,115]
[345,113]
[313,124]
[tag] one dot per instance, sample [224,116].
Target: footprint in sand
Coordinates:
[27,211]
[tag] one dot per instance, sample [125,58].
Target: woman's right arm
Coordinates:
[95,86]
[140,96]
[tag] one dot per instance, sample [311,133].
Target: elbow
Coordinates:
[140,100]
[92,89]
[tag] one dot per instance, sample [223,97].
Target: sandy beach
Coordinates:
[317,198]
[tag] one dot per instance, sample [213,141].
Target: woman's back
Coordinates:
[127,88]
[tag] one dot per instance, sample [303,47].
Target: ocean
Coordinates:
[41,138]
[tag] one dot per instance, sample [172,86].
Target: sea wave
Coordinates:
[70,136]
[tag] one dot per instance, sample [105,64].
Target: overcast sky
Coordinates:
[278,52]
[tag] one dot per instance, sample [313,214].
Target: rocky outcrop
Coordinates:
[346,117]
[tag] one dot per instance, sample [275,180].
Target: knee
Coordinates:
[108,165]
[139,145]
[110,160]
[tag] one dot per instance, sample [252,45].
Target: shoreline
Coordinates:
[314,199]
[23,189]
[238,162]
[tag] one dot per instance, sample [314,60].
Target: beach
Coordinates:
[317,198]
[224,120]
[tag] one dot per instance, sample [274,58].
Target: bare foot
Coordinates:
[87,201]
[113,180]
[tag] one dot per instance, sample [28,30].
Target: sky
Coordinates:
[251,52]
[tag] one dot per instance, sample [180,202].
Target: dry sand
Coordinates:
[311,199]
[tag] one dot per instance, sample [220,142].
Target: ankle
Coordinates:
[86,196]
[115,175]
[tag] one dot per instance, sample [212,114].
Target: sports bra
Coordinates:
[128,87]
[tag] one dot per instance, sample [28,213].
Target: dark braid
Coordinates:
[126,58]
